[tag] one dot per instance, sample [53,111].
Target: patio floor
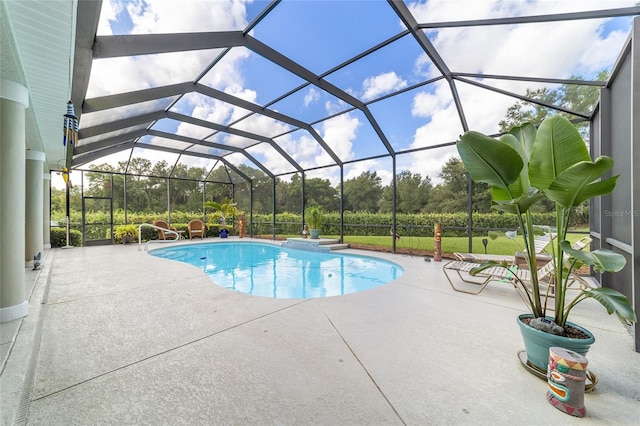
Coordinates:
[116,336]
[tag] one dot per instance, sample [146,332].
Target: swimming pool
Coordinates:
[269,270]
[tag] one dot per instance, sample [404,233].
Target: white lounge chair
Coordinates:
[508,273]
[540,244]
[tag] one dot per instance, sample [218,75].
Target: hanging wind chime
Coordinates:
[70,136]
[70,126]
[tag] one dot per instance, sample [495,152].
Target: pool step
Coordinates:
[319,244]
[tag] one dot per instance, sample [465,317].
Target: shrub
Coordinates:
[356,223]
[58,237]
[122,230]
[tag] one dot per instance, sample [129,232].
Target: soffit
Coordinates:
[37,55]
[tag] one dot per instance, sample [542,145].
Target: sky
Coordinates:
[320,36]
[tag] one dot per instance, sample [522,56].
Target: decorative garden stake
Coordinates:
[241,221]
[566,376]
[437,234]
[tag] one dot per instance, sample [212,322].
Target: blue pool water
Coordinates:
[272,271]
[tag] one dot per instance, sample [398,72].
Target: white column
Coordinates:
[14,99]
[34,206]
[46,211]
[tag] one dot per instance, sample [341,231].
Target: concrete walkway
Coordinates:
[116,336]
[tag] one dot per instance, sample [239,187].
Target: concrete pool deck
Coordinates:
[116,336]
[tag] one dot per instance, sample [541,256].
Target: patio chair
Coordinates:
[196,229]
[575,279]
[480,257]
[162,234]
[582,243]
[496,273]
[540,244]
[502,273]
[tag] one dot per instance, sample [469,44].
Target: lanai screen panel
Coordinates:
[109,115]
[351,135]
[304,148]
[309,104]
[117,161]
[321,35]
[113,134]
[210,109]
[266,153]
[147,71]
[423,117]
[255,78]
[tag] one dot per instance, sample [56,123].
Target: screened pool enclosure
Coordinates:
[225,104]
[180,103]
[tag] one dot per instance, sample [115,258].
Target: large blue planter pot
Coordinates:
[223,233]
[537,343]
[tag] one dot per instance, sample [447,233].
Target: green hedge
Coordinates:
[356,223]
[58,237]
[378,224]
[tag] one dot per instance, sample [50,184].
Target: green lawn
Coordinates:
[501,245]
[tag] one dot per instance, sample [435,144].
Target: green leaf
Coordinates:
[521,185]
[557,147]
[602,259]
[614,302]
[489,160]
[595,189]
[505,206]
[487,265]
[525,135]
[581,182]
[518,205]
[495,234]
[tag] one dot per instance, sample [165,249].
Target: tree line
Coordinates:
[146,192]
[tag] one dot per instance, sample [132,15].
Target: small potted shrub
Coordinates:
[222,212]
[314,216]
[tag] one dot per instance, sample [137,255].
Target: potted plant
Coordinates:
[523,167]
[223,212]
[315,219]
[125,233]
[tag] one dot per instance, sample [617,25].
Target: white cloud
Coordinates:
[535,49]
[381,167]
[277,163]
[304,149]
[456,10]
[602,52]
[156,16]
[225,75]
[339,133]
[334,107]
[108,13]
[425,103]
[379,85]
[262,125]
[311,96]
